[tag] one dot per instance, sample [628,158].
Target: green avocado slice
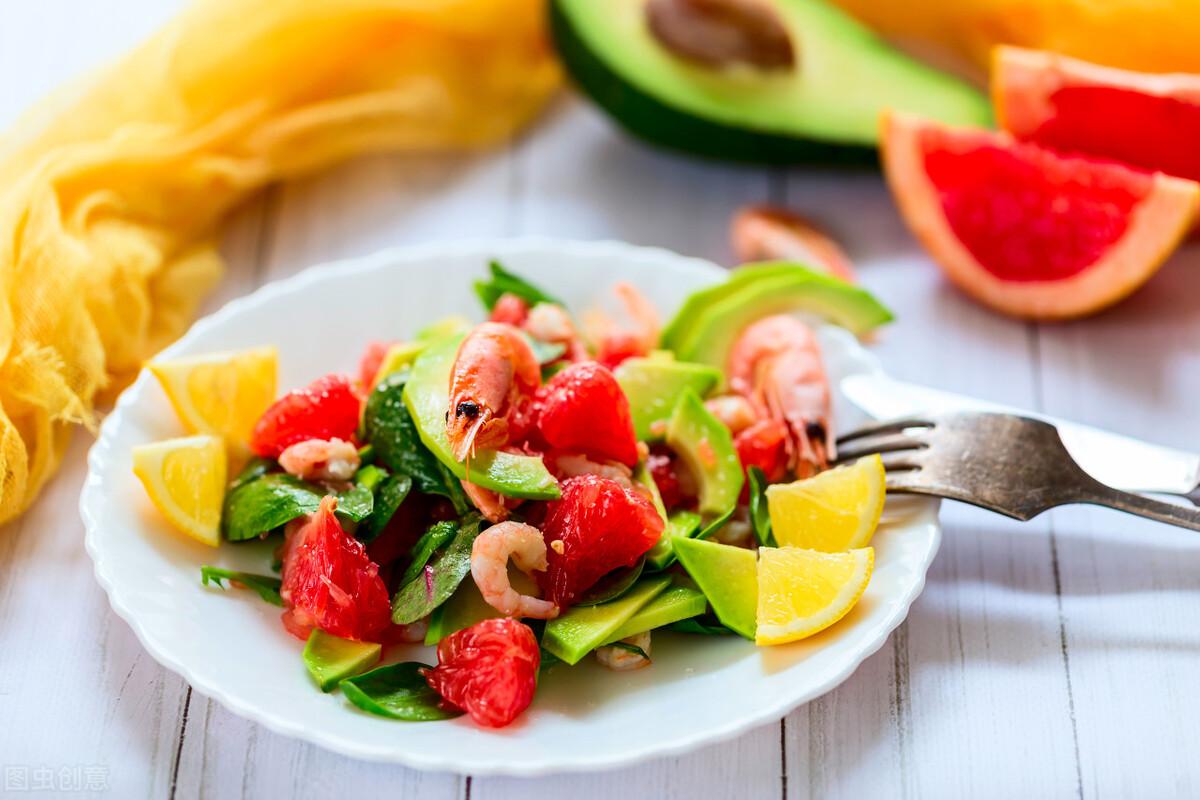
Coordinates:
[427,396]
[675,604]
[652,385]
[728,576]
[706,447]
[699,301]
[582,629]
[711,334]
[825,108]
[330,658]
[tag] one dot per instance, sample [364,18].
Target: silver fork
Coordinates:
[1009,464]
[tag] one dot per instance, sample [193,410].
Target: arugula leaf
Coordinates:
[502,281]
[397,691]
[699,626]
[441,576]
[272,500]
[391,430]
[265,503]
[388,498]
[255,468]
[437,535]
[267,586]
[760,517]
[632,648]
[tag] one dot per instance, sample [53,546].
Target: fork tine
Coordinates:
[884,444]
[900,462]
[891,426]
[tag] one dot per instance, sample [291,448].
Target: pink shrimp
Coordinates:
[776,364]
[495,374]
[736,412]
[613,343]
[489,567]
[321,460]
[550,322]
[493,505]
[765,233]
[569,465]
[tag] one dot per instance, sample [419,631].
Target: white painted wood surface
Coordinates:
[1053,659]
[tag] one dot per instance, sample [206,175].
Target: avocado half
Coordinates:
[823,109]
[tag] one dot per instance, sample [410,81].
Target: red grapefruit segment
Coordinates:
[1028,231]
[1148,121]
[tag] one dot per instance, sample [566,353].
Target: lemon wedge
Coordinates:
[220,393]
[185,479]
[835,511]
[801,592]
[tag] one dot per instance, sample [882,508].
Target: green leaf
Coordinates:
[391,430]
[440,578]
[255,468]
[760,518]
[504,282]
[269,501]
[716,524]
[430,542]
[388,498]
[397,691]
[612,585]
[267,586]
[545,352]
[698,626]
[265,503]
[632,648]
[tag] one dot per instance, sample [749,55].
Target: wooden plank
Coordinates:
[77,691]
[1128,586]
[944,708]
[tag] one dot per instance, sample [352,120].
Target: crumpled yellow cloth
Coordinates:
[112,190]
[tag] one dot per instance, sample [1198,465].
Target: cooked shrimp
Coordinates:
[494,374]
[489,567]
[321,460]
[764,233]
[734,411]
[776,364]
[550,322]
[493,505]
[622,659]
[568,465]
[614,343]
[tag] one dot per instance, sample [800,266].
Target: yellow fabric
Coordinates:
[111,191]
[1146,35]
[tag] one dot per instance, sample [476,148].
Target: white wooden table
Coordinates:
[1053,659]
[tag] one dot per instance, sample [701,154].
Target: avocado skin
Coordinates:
[658,123]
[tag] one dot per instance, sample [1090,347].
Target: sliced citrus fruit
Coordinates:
[802,592]
[1148,121]
[1026,230]
[834,511]
[185,479]
[220,393]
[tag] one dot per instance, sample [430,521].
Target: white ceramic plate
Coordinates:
[231,646]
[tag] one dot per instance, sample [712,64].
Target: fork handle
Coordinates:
[1148,507]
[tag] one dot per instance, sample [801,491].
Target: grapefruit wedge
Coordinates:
[1148,121]
[1026,230]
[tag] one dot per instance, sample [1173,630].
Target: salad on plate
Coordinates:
[534,488]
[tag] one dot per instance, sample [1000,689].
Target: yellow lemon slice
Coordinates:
[801,592]
[220,393]
[834,511]
[185,479]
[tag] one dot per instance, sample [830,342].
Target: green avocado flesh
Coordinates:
[824,108]
[706,446]
[330,659]
[653,384]
[673,605]
[427,396]
[582,629]
[723,312]
[728,576]
[680,523]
